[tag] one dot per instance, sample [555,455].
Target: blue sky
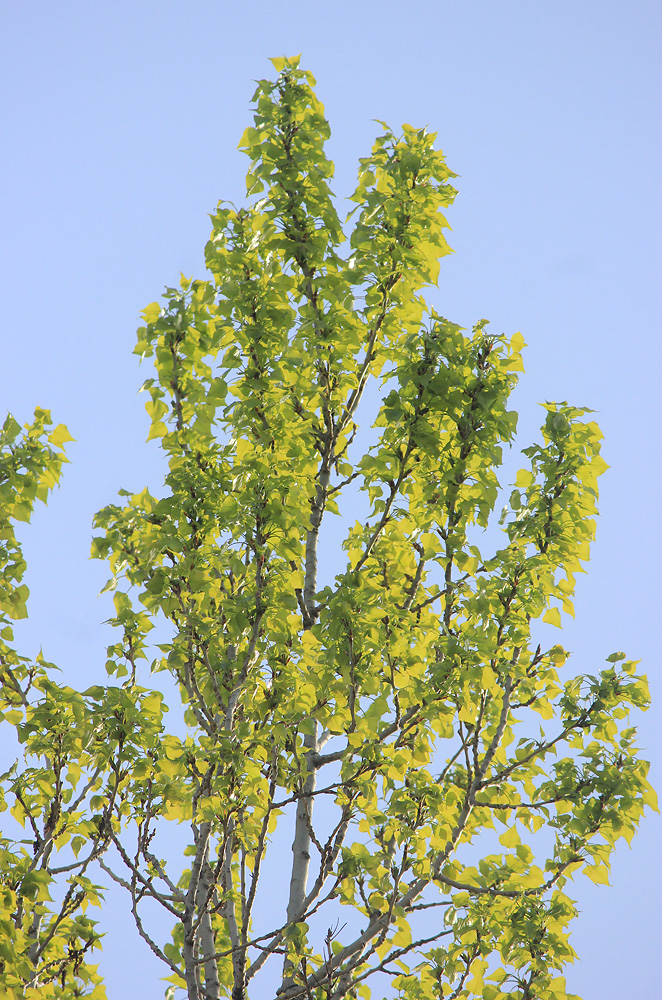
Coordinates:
[120,124]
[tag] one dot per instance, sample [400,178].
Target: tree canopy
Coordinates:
[440,779]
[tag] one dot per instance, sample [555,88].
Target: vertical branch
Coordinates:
[191,968]
[207,941]
[312,540]
[259,854]
[301,844]
[229,911]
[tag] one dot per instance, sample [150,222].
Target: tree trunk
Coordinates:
[301,843]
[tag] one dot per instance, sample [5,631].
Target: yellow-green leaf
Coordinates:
[60,435]
[553,617]
[510,837]
[151,312]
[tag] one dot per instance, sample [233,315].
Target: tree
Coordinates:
[401,720]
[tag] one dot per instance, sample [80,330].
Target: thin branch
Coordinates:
[146,884]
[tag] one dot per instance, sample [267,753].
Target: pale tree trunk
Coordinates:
[207,940]
[192,971]
[304,815]
[229,912]
[190,968]
[301,843]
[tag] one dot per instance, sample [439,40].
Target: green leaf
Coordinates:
[151,312]
[510,837]
[157,430]
[597,873]
[59,436]
[553,617]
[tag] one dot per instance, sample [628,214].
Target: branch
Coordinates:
[393,957]
[541,748]
[147,884]
[355,396]
[5,668]
[259,854]
[379,924]
[301,843]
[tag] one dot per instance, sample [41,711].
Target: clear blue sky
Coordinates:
[120,122]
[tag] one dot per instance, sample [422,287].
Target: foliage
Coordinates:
[43,947]
[406,700]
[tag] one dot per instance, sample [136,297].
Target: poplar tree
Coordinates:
[439,772]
